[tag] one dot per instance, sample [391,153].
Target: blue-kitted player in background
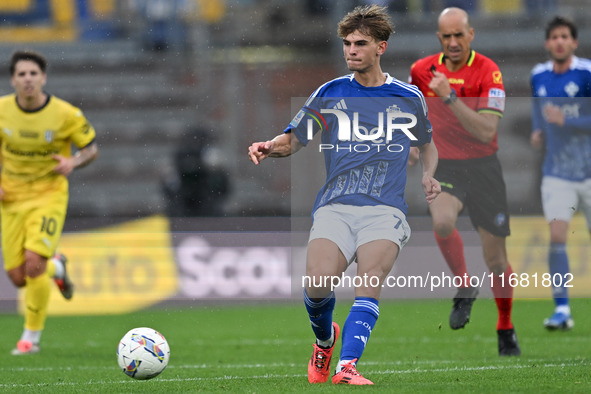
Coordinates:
[561,115]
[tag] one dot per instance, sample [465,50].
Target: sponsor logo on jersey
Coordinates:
[28,134]
[30,153]
[456,81]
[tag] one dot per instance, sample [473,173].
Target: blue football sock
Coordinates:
[358,326]
[558,260]
[320,312]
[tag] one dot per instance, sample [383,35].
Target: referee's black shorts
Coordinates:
[479,185]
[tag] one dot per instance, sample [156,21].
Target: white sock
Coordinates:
[327,342]
[60,271]
[563,309]
[31,336]
[341,364]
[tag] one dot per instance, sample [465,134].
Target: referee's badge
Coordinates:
[49,135]
[500,219]
[497,77]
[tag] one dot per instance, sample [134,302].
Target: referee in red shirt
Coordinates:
[466,99]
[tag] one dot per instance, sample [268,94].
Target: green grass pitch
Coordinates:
[264,348]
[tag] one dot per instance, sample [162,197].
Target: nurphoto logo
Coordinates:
[392,121]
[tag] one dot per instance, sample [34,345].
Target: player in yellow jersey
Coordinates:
[37,131]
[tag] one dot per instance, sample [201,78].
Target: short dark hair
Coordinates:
[372,20]
[27,55]
[560,21]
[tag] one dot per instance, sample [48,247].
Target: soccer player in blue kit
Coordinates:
[561,118]
[360,212]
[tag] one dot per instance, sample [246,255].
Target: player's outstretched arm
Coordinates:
[281,146]
[429,159]
[83,157]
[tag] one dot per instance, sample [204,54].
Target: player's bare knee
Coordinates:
[443,228]
[376,274]
[497,266]
[17,276]
[318,272]
[35,264]
[18,281]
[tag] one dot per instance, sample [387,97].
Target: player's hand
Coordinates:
[536,139]
[259,151]
[440,84]
[553,115]
[65,165]
[431,187]
[1,194]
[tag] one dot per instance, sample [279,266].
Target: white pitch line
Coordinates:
[267,365]
[302,375]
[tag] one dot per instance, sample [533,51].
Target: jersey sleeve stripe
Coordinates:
[542,67]
[581,64]
[414,89]
[313,96]
[491,111]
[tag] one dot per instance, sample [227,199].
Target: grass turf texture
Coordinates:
[265,348]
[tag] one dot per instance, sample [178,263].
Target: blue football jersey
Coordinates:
[366,133]
[568,148]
